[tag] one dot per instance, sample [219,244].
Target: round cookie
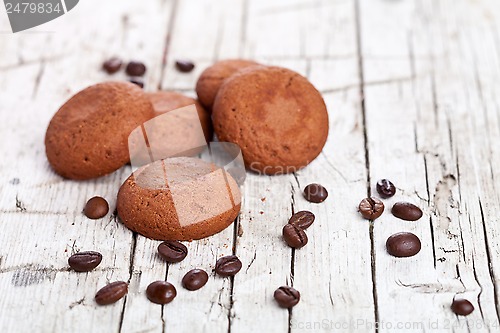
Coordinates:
[165,101]
[180,198]
[275,115]
[212,78]
[88,136]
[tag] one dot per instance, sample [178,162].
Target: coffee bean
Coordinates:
[184,66]
[403,244]
[294,236]
[112,65]
[137,81]
[287,297]
[385,188]
[194,279]
[85,261]
[96,208]
[371,208]
[111,293]
[228,266]
[315,193]
[172,251]
[302,219]
[406,211]
[135,68]
[161,292]
[462,307]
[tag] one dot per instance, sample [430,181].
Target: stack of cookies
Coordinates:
[276,117]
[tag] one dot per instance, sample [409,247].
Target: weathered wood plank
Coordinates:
[212,304]
[430,73]
[411,130]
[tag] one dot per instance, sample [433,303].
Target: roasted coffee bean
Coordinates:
[403,244]
[302,219]
[172,251]
[112,65]
[194,279]
[287,297]
[462,307]
[96,208]
[85,261]
[315,193]
[228,266]
[371,208]
[135,68]
[184,66]
[294,236]
[406,211]
[137,81]
[111,293]
[161,292]
[385,188]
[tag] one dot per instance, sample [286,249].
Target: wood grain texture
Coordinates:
[412,92]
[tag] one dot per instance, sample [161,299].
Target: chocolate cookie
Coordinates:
[165,101]
[87,137]
[275,115]
[179,198]
[212,78]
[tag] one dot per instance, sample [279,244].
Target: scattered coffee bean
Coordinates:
[294,236]
[85,261]
[462,307]
[386,188]
[137,81]
[112,65]
[302,219]
[287,297]
[403,244]
[184,66]
[228,266]
[172,251]
[406,211]
[161,292]
[315,193]
[96,208]
[111,293]
[194,279]
[371,208]
[135,68]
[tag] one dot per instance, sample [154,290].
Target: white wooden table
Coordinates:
[412,88]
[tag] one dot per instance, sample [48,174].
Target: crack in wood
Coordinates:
[489,258]
[22,63]
[168,38]
[366,84]
[38,78]
[292,256]
[163,321]
[79,302]
[230,313]
[133,247]
[251,262]
[431,288]
[359,48]
[20,205]
[443,200]
[327,160]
